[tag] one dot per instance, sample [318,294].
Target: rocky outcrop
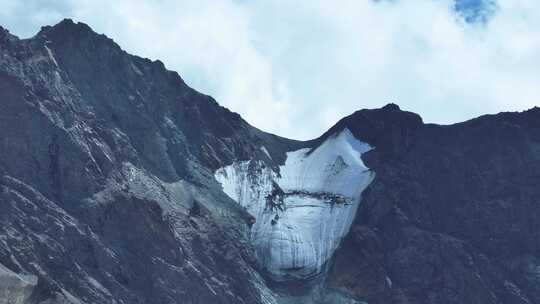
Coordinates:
[104,157]
[15,288]
[452,215]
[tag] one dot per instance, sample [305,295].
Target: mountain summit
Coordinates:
[121,184]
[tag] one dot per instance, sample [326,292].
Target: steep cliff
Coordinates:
[452,215]
[106,177]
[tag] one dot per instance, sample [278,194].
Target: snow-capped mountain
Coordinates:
[121,184]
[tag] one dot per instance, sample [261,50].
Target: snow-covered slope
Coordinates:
[303,211]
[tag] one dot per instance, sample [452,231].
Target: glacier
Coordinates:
[303,210]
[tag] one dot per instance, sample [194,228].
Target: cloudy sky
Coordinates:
[295,67]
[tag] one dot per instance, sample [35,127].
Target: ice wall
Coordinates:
[304,211]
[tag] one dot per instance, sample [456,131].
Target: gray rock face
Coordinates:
[107,192]
[108,195]
[14,288]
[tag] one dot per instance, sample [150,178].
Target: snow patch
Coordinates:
[51,56]
[265,151]
[303,212]
[136,69]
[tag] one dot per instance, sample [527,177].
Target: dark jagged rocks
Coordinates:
[106,186]
[453,214]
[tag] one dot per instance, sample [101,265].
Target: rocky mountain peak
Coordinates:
[392,107]
[5,35]
[3,31]
[105,152]
[388,129]
[372,125]
[67,27]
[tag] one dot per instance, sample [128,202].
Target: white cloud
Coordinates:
[294,68]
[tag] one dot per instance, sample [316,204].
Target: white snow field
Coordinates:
[304,211]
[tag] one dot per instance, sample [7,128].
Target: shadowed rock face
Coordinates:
[108,191]
[453,214]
